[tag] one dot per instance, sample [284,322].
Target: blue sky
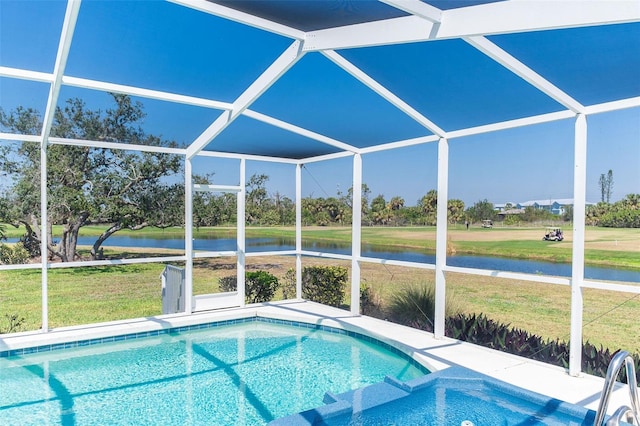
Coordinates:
[166,47]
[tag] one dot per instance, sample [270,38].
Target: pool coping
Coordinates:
[212,325]
[74,337]
[433,353]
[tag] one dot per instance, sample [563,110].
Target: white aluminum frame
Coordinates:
[424,23]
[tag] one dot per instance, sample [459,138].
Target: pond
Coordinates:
[479,262]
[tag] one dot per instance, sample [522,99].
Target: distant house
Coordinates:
[556,206]
[503,207]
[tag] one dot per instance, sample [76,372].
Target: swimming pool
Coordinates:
[248,372]
[452,397]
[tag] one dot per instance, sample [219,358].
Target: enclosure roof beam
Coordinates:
[520,122]
[486,19]
[144,93]
[325,157]
[418,8]
[241,17]
[42,77]
[68,26]
[285,61]
[613,106]
[252,157]
[512,124]
[20,138]
[400,144]
[395,30]
[506,60]
[116,145]
[528,15]
[383,91]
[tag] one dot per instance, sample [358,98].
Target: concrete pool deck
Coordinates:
[435,354]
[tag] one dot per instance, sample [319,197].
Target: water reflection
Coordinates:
[283,244]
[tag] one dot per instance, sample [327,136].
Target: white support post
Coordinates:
[188,235]
[44,226]
[299,231]
[577,261]
[241,261]
[356,234]
[68,26]
[441,237]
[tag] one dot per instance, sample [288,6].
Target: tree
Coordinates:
[606,186]
[396,203]
[378,204]
[621,214]
[567,215]
[428,205]
[285,207]
[631,202]
[380,213]
[395,208]
[324,211]
[455,210]
[118,188]
[481,210]
[210,209]
[257,198]
[347,199]
[532,214]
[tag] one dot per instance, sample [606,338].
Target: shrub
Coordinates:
[511,219]
[31,244]
[228,283]
[324,284]
[260,286]
[288,284]
[15,254]
[414,305]
[370,303]
[480,330]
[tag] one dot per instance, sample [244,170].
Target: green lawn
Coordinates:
[96,294]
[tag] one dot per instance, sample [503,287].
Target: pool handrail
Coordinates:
[619,359]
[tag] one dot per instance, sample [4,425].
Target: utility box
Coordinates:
[172,289]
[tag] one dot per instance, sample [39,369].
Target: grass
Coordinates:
[83,295]
[97,294]
[610,318]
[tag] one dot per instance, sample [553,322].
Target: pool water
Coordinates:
[452,397]
[447,406]
[248,373]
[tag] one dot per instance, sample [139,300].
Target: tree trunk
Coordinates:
[96,251]
[69,242]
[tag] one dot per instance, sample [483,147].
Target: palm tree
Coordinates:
[396,203]
[631,201]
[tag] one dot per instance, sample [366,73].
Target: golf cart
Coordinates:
[553,233]
[487,223]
